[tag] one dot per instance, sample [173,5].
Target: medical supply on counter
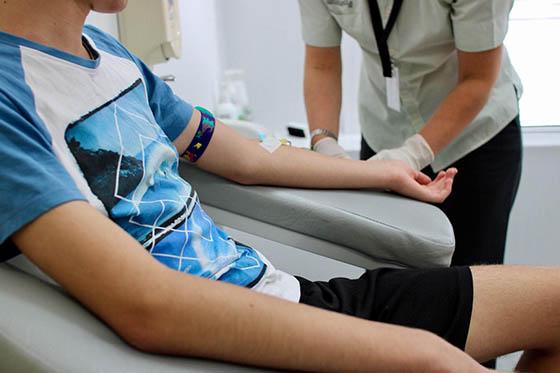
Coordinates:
[296,132]
[234,99]
[226,109]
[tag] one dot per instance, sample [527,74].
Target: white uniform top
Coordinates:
[423,45]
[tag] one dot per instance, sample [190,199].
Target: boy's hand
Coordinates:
[411,183]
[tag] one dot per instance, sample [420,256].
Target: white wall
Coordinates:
[197,72]
[264,38]
[106,22]
[533,236]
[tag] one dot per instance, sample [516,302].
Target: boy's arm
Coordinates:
[162,311]
[245,161]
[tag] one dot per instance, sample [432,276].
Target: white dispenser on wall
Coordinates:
[151,29]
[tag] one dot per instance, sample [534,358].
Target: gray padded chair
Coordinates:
[42,329]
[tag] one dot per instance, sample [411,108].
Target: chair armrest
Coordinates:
[42,329]
[383,226]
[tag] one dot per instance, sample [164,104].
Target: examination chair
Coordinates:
[42,329]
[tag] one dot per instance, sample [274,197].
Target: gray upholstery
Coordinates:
[42,329]
[383,226]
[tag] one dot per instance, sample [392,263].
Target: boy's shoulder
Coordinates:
[10,60]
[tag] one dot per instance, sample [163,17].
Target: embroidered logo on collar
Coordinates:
[347,3]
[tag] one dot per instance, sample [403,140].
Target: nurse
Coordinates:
[437,89]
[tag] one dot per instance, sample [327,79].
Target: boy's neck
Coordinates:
[54,23]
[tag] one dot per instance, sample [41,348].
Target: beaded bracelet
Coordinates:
[202,137]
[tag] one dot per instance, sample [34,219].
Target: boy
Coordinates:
[90,193]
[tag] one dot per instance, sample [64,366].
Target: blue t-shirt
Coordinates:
[101,130]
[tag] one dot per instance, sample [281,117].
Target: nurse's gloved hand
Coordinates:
[329,146]
[416,152]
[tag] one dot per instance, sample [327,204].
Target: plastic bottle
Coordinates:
[227,109]
[234,91]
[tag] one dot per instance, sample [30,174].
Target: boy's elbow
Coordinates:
[141,325]
[248,172]
[139,329]
[139,336]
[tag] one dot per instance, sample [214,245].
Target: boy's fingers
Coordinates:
[423,178]
[452,172]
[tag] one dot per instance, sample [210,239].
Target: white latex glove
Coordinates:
[329,146]
[415,151]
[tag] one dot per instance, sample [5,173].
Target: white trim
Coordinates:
[545,136]
[533,136]
[541,136]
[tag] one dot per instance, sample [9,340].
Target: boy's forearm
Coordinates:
[246,161]
[218,321]
[229,323]
[294,167]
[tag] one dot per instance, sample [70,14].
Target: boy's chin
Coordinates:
[108,6]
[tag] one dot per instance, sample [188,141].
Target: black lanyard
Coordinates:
[382,35]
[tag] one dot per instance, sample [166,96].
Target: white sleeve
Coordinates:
[480,25]
[319,27]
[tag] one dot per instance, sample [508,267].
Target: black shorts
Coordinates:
[436,300]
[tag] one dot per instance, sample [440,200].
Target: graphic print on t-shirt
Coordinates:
[132,167]
[124,155]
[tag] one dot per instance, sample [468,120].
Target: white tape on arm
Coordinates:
[271,144]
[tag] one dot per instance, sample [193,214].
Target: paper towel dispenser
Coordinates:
[151,29]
